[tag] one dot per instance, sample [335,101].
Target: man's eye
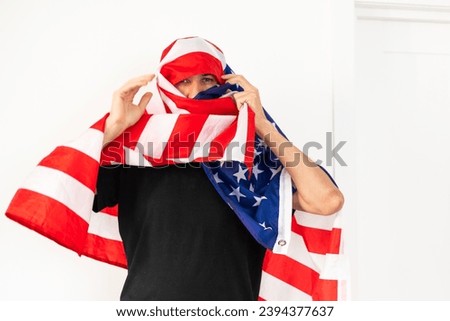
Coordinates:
[183,82]
[209,80]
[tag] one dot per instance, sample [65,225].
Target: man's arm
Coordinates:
[316,192]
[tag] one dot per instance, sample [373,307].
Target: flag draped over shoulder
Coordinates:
[304,259]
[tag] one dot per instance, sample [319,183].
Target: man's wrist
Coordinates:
[263,126]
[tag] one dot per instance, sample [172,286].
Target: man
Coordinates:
[181,239]
[190,198]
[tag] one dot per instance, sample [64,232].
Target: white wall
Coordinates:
[60,61]
[401,139]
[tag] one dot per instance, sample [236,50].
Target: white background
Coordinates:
[402,110]
[60,61]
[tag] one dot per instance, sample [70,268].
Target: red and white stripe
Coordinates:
[313,268]
[161,139]
[56,201]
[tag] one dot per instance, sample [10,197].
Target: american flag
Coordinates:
[304,259]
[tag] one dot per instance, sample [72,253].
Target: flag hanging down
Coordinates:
[314,267]
[305,259]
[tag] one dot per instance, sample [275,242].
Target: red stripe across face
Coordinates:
[49,218]
[218,106]
[74,163]
[317,240]
[300,276]
[191,64]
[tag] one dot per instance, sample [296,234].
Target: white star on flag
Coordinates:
[217,179]
[275,171]
[261,143]
[258,200]
[256,171]
[236,192]
[263,224]
[240,174]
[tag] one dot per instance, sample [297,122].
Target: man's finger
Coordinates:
[146,77]
[137,82]
[241,96]
[145,99]
[237,79]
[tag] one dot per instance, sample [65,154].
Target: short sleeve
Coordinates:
[107,193]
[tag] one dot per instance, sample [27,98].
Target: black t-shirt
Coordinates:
[182,241]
